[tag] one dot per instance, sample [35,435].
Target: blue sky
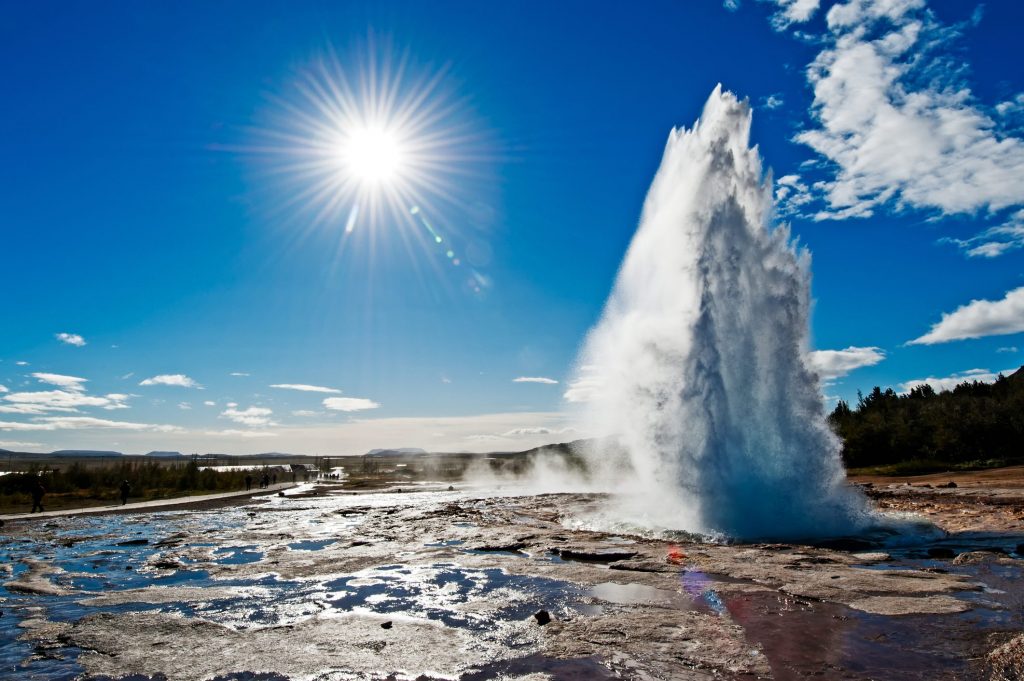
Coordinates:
[146,217]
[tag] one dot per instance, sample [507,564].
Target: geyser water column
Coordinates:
[698,364]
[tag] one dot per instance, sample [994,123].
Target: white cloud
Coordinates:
[71,339]
[731,5]
[792,12]
[16,443]
[535,379]
[82,423]
[234,432]
[239,373]
[3,389]
[979,318]
[42,401]
[66,382]
[772,102]
[179,380]
[537,430]
[210,403]
[585,386]
[252,416]
[305,413]
[184,406]
[835,363]
[1010,348]
[231,405]
[22,363]
[349,403]
[994,241]
[306,388]
[950,382]
[895,122]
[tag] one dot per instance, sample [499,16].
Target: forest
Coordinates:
[974,425]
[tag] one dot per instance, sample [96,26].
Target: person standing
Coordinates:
[248,481]
[125,490]
[37,496]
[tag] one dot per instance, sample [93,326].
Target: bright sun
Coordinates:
[372,155]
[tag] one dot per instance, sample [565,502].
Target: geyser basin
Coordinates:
[698,364]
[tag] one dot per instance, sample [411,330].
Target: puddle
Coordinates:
[311,544]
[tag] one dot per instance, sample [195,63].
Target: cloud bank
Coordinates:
[836,363]
[977,319]
[179,380]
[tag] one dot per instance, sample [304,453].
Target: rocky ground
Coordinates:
[439,583]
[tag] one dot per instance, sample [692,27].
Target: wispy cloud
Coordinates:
[184,406]
[535,379]
[1009,348]
[305,413]
[82,423]
[306,388]
[17,443]
[234,432]
[71,339]
[66,382]
[979,318]
[950,382]
[994,241]
[179,380]
[895,123]
[835,363]
[3,388]
[239,373]
[349,404]
[210,403]
[252,416]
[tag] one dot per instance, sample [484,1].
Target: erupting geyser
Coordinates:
[698,364]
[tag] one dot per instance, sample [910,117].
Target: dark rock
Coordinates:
[593,555]
[948,485]
[941,552]
[849,544]
[542,617]
[128,567]
[133,542]
[1020,550]
[386,625]
[450,489]
[280,494]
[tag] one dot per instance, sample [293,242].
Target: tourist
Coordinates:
[125,489]
[248,482]
[37,496]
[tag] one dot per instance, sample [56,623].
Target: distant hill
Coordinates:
[164,455]
[82,453]
[974,424]
[402,451]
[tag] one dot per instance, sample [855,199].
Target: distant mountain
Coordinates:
[164,455]
[81,453]
[402,451]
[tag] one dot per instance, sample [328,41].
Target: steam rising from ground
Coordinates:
[697,367]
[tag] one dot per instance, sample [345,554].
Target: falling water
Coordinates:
[698,364]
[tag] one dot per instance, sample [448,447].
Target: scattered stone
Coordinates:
[1019,550]
[542,617]
[1006,663]
[133,542]
[948,485]
[941,552]
[978,557]
[872,557]
[386,625]
[451,488]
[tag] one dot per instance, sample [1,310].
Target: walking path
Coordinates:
[157,504]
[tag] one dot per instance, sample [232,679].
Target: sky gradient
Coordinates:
[173,285]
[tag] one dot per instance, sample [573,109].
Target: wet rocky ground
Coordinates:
[438,583]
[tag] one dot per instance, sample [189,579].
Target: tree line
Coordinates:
[973,425]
